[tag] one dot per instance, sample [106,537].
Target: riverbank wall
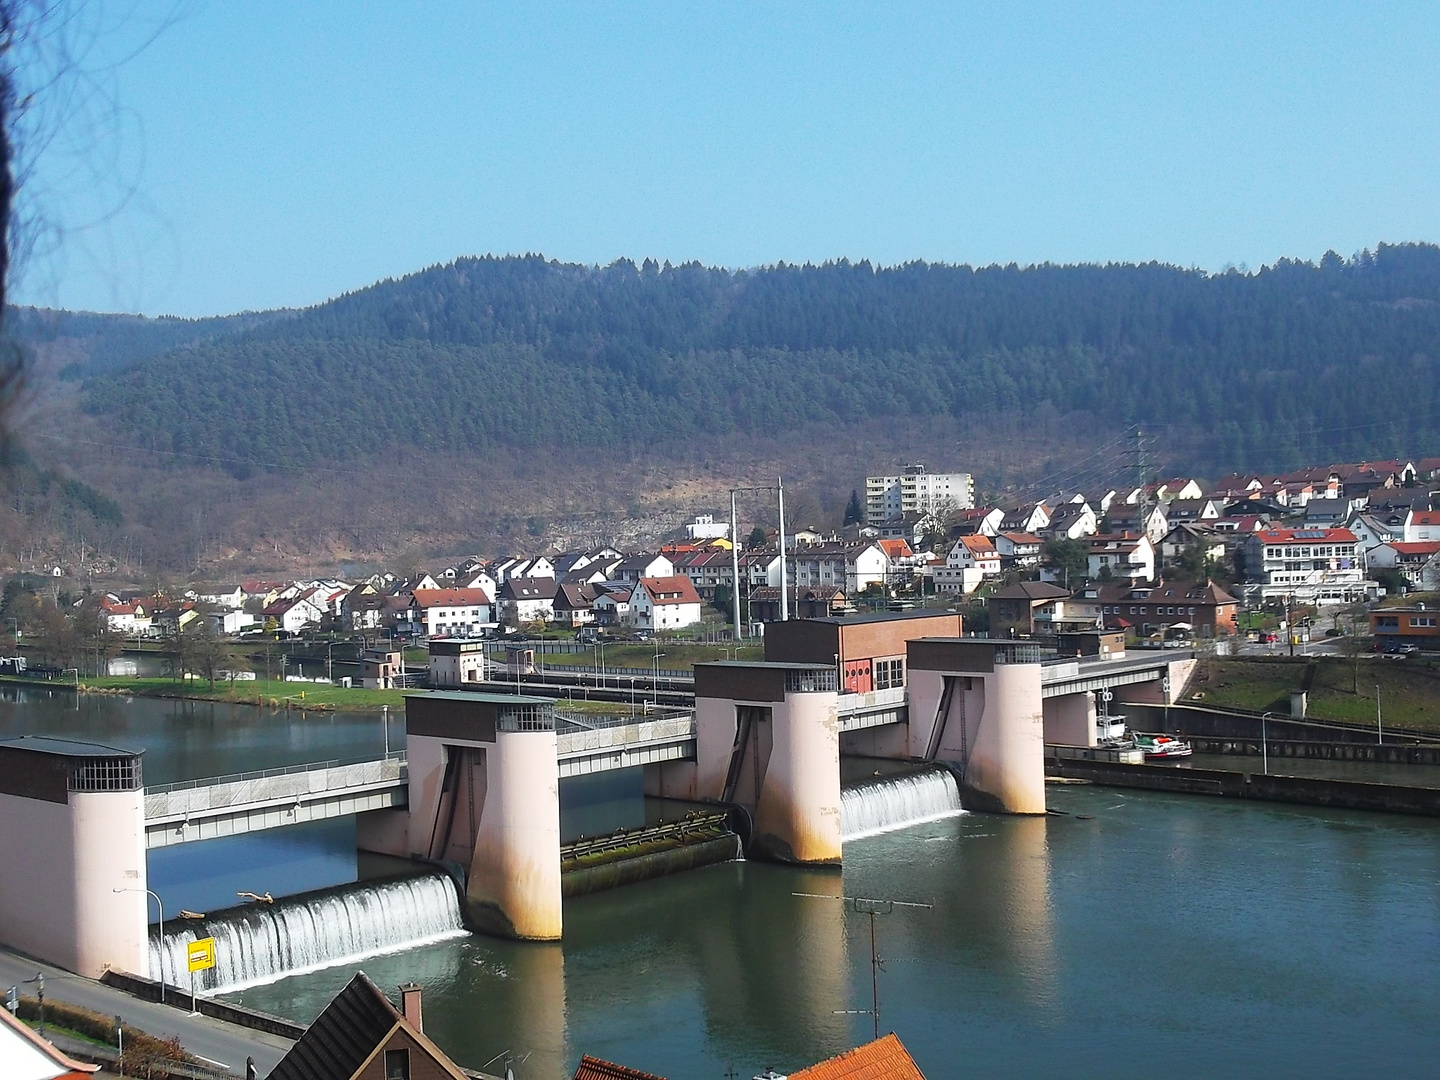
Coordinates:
[1371,753]
[1301,790]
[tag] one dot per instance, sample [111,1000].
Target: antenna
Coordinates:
[867,905]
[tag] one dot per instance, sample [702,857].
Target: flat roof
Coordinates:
[44,744]
[486,698]
[772,664]
[879,616]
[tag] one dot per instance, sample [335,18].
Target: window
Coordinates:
[397,1065]
[1427,620]
[889,673]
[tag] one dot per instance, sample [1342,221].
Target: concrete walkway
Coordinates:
[221,1044]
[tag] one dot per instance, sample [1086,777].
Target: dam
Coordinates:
[475,794]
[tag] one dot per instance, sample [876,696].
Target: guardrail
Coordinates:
[261,774]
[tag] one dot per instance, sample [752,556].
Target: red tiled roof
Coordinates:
[671,590]
[896,548]
[1426,517]
[884,1059]
[1422,547]
[592,1068]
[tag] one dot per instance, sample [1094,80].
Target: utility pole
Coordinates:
[784,598]
[869,906]
[735,566]
[1379,730]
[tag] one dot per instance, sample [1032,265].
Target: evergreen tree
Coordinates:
[854,512]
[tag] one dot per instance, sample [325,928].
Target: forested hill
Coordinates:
[1297,361]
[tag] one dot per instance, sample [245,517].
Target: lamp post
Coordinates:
[1264,746]
[1379,730]
[159,904]
[655,680]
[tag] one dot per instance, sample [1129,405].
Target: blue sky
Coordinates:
[266,154]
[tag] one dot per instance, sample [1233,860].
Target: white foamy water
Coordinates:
[896,802]
[265,942]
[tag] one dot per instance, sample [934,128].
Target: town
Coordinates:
[1262,557]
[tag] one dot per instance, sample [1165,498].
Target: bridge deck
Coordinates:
[1061,677]
[249,802]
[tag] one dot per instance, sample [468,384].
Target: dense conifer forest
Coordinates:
[1296,362]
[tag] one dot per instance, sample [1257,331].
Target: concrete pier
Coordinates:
[484,792]
[767,738]
[72,854]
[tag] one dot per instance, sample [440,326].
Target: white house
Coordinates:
[226,596]
[970,562]
[1422,526]
[453,612]
[128,619]
[1019,548]
[664,603]
[851,567]
[230,622]
[293,614]
[705,527]
[527,599]
[612,604]
[1419,562]
[1127,558]
[1071,521]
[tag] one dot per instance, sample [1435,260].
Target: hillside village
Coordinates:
[1178,558]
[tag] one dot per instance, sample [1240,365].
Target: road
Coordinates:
[214,1040]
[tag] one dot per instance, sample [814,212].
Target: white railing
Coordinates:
[296,782]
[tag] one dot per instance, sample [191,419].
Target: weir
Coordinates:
[871,807]
[261,942]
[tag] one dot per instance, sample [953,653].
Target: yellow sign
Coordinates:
[201,954]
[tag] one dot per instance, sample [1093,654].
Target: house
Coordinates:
[1018,549]
[1323,513]
[524,600]
[706,568]
[1373,529]
[1418,562]
[27,1055]
[1203,608]
[230,622]
[983,520]
[453,612]
[817,603]
[1149,521]
[1014,609]
[360,1035]
[1026,519]
[537,567]
[1070,521]
[262,593]
[293,614]
[1421,526]
[1395,627]
[130,619]
[972,559]
[852,568]
[363,607]
[668,603]
[1186,535]
[410,584]
[705,527]
[1179,487]
[1307,566]
[635,567]
[226,596]
[612,604]
[574,603]
[1127,557]
[1193,510]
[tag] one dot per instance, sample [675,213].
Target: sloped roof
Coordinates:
[530,588]
[428,598]
[1031,590]
[593,1068]
[24,1055]
[1417,548]
[670,590]
[343,1036]
[884,1059]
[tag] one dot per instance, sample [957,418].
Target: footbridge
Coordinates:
[1076,675]
[272,798]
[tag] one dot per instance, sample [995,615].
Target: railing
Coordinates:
[568,723]
[875,699]
[670,830]
[637,733]
[260,774]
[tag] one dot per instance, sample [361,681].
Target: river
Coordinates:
[1137,934]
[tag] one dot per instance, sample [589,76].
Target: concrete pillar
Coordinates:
[1070,720]
[715,728]
[1006,767]
[514,885]
[63,855]
[798,818]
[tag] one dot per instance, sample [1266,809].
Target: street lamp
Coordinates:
[1264,746]
[161,906]
[655,681]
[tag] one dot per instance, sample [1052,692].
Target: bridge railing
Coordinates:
[620,736]
[268,785]
[259,774]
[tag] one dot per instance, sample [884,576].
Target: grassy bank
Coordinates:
[1409,688]
[270,692]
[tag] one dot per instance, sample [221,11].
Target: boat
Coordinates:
[1162,747]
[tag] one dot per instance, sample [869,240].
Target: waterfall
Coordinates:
[877,806]
[259,943]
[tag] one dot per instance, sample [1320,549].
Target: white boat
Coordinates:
[1162,747]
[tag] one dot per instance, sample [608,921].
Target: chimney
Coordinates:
[410,1005]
